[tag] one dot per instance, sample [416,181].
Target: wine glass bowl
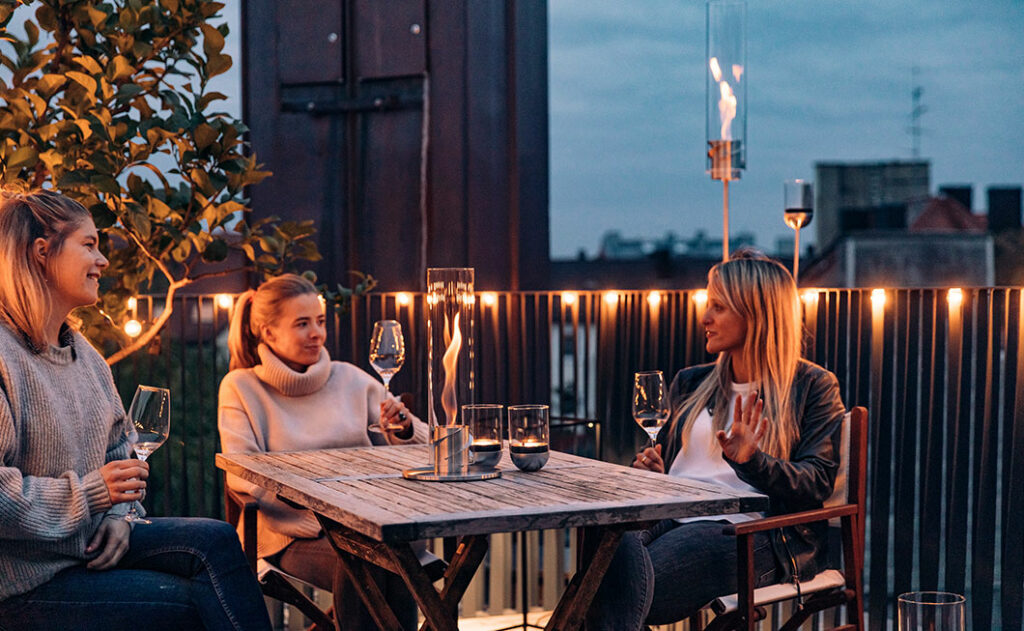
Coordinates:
[650,403]
[149,425]
[387,354]
[798,211]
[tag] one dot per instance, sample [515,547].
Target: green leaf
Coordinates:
[89,64]
[157,208]
[213,41]
[128,91]
[217,250]
[204,135]
[24,156]
[218,64]
[102,216]
[85,81]
[106,184]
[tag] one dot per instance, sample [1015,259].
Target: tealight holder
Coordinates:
[484,421]
[528,436]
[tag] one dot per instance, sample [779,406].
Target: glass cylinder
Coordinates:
[485,429]
[528,436]
[931,611]
[726,120]
[450,379]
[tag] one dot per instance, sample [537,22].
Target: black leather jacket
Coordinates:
[801,483]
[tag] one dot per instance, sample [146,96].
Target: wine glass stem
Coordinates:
[387,386]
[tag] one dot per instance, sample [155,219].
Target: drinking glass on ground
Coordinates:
[150,416]
[528,436]
[387,354]
[931,611]
[650,404]
[484,421]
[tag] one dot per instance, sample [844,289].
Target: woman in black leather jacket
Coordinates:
[759,418]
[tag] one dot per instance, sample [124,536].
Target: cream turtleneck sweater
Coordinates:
[271,407]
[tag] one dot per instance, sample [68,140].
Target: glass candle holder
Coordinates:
[450,379]
[931,611]
[484,423]
[528,436]
[726,120]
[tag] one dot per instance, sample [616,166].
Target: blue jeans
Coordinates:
[178,573]
[315,562]
[669,572]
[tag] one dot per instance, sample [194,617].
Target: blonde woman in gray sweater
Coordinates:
[285,394]
[67,557]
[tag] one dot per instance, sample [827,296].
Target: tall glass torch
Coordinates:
[726,107]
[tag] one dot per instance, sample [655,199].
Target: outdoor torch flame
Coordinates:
[727,102]
[450,360]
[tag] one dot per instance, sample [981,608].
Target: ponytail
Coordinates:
[242,342]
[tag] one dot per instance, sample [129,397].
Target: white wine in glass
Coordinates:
[150,416]
[650,404]
[387,353]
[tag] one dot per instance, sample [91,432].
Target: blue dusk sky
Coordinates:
[828,80]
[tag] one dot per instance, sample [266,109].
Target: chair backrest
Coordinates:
[852,475]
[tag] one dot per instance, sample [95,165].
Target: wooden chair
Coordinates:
[830,588]
[273,581]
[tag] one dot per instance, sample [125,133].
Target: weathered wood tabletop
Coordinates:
[363,489]
[371,513]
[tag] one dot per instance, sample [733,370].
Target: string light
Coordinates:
[403,298]
[810,295]
[225,301]
[132,328]
[611,298]
[878,298]
[955,297]
[700,297]
[569,298]
[489,298]
[654,299]
[133,303]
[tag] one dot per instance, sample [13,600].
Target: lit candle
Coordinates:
[529,455]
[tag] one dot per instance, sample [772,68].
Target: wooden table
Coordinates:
[371,514]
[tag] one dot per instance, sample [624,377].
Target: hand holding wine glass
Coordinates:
[650,405]
[150,416]
[387,354]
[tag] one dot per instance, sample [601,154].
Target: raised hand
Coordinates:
[748,427]
[650,460]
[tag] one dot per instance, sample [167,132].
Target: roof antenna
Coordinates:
[916,111]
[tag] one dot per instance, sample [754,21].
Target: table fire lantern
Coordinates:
[528,436]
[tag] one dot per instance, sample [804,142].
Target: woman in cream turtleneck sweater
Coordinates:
[285,394]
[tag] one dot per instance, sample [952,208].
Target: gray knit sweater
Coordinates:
[60,420]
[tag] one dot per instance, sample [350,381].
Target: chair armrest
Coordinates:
[792,519]
[242,507]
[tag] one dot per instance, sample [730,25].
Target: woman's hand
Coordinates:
[125,480]
[111,539]
[395,420]
[650,460]
[748,427]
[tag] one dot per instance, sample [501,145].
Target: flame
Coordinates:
[716,70]
[726,104]
[450,361]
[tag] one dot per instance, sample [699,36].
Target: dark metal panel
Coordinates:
[1012,562]
[907,312]
[958,447]
[390,38]
[983,509]
[310,41]
[930,505]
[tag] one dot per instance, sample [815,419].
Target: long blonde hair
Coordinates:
[257,308]
[24,217]
[763,293]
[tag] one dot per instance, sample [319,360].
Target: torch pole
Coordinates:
[796,258]
[725,219]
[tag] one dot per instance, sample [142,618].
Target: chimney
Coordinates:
[1004,207]
[960,192]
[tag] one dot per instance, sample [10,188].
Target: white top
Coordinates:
[271,407]
[702,459]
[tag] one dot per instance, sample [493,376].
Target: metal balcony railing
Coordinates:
[943,380]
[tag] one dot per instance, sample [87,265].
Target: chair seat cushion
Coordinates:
[829,579]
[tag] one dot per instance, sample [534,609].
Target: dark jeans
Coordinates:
[669,572]
[178,573]
[315,562]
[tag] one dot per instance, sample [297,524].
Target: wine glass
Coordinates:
[150,416]
[798,198]
[650,405]
[387,353]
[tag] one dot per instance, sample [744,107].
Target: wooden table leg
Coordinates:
[365,584]
[573,606]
